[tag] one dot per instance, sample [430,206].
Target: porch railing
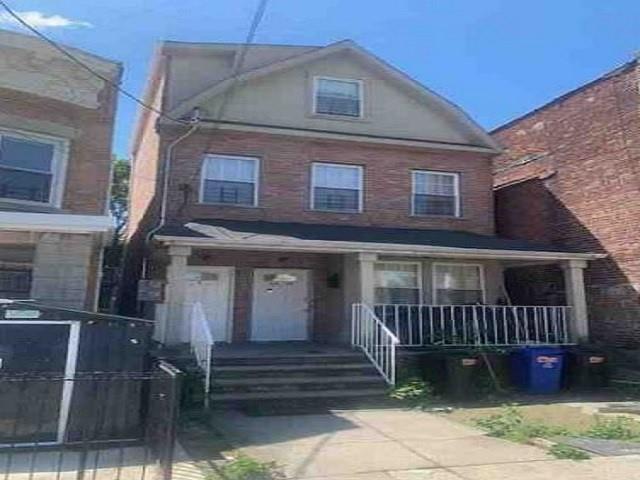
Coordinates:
[201,341]
[377,341]
[473,325]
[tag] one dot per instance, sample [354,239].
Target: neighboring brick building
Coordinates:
[56,127]
[313,179]
[570,176]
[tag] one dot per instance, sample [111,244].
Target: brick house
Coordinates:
[569,177]
[319,194]
[56,126]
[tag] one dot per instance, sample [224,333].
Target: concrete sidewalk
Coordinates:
[404,445]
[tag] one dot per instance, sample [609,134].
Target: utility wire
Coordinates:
[86,67]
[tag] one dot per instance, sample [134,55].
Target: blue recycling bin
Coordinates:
[538,370]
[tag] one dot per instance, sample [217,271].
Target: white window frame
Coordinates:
[434,287]
[343,165]
[256,179]
[316,84]
[58,166]
[405,262]
[456,187]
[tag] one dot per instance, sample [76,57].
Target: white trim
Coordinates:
[58,171]
[310,133]
[360,169]
[320,246]
[434,289]
[360,83]
[55,222]
[231,273]
[219,156]
[420,286]
[73,344]
[70,370]
[456,187]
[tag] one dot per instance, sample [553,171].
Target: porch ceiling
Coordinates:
[261,235]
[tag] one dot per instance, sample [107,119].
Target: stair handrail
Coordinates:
[201,342]
[377,341]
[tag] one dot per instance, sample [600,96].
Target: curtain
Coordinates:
[336,176]
[230,169]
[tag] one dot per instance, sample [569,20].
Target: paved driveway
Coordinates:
[402,445]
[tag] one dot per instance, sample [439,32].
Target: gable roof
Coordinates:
[312,54]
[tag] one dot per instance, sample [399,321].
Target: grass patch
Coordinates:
[565,452]
[415,391]
[512,425]
[516,424]
[247,468]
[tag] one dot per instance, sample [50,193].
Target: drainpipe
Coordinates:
[195,123]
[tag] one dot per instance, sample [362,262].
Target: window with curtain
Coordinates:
[436,193]
[338,97]
[397,283]
[336,187]
[458,284]
[27,169]
[230,180]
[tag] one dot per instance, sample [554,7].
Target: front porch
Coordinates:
[382,289]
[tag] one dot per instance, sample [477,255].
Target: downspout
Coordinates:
[195,123]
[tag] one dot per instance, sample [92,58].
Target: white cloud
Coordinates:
[40,20]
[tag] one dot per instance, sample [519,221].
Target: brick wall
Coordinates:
[89,162]
[285,181]
[570,175]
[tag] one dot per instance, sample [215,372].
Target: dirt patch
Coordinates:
[561,415]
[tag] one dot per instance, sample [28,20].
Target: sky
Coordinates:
[496,59]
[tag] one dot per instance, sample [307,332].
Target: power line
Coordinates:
[79,62]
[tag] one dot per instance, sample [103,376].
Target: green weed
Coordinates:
[565,452]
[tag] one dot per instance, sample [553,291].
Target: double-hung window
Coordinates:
[29,168]
[436,193]
[336,188]
[397,282]
[458,284]
[229,180]
[335,96]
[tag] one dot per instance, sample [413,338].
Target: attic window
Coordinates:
[340,97]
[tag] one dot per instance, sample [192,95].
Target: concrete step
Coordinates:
[298,359]
[329,384]
[292,381]
[299,394]
[286,371]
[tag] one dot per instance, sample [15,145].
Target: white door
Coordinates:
[210,286]
[280,304]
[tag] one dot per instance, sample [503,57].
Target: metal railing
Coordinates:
[201,341]
[472,325]
[376,340]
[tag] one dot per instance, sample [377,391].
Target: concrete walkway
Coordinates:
[402,445]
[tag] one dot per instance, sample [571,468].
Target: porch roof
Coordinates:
[343,238]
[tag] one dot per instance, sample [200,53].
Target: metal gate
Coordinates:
[118,425]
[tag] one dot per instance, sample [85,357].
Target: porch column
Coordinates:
[576,298]
[175,294]
[366,261]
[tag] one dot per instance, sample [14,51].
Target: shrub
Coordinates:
[566,452]
[616,428]
[511,425]
[246,468]
[415,391]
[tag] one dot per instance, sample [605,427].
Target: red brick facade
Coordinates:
[571,175]
[89,161]
[285,169]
